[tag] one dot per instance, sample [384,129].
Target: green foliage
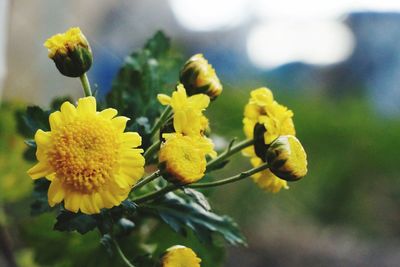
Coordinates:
[144,74]
[180,211]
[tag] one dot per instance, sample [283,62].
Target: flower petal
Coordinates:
[56,193]
[87,105]
[68,111]
[55,120]
[164,99]
[131,139]
[72,201]
[120,123]
[40,170]
[108,113]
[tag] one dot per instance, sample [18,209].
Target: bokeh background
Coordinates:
[336,64]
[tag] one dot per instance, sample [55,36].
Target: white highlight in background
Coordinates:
[315,42]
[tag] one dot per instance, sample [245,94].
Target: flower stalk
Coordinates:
[164,116]
[147,180]
[149,153]
[85,85]
[121,254]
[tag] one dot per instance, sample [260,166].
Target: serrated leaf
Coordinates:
[32,120]
[106,241]
[198,197]
[159,44]
[180,213]
[69,221]
[40,203]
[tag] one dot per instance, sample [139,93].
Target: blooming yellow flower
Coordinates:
[70,52]
[188,111]
[263,109]
[287,158]
[88,158]
[266,180]
[180,256]
[198,76]
[277,120]
[183,158]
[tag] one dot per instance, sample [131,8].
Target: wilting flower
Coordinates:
[188,111]
[199,77]
[180,256]
[71,52]
[287,158]
[88,158]
[183,158]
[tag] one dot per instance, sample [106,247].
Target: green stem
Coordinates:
[156,194]
[172,187]
[150,151]
[164,116]
[232,179]
[121,254]
[147,180]
[86,85]
[229,152]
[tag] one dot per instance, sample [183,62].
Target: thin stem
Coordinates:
[232,179]
[164,116]
[86,85]
[121,254]
[229,152]
[150,151]
[147,180]
[156,194]
[172,187]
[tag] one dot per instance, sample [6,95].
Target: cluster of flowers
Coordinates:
[93,163]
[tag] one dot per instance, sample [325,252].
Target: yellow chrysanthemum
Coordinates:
[263,109]
[188,111]
[62,43]
[180,256]
[266,180]
[287,158]
[88,158]
[183,158]
[198,76]
[277,120]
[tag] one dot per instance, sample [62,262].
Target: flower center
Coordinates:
[84,153]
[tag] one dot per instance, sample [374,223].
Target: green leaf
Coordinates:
[32,120]
[68,221]
[181,213]
[40,203]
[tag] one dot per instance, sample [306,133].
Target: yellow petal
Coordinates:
[120,123]
[164,99]
[87,105]
[68,111]
[200,101]
[87,205]
[40,170]
[131,139]
[42,138]
[56,193]
[179,121]
[55,120]
[108,113]
[72,201]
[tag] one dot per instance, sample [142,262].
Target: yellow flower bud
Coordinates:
[180,256]
[287,158]
[183,158]
[71,52]
[199,77]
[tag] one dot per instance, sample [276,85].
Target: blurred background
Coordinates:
[336,64]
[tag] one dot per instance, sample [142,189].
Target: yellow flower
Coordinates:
[88,158]
[180,256]
[263,109]
[199,77]
[183,158]
[266,179]
[70,52]
[188,111]
[287,158]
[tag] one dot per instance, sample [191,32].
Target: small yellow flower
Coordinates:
[287,158]
[266,180]
[180,256]
[263,109]
[198,76]
[71,52]
[88,158]
[183,158]
[188,111]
